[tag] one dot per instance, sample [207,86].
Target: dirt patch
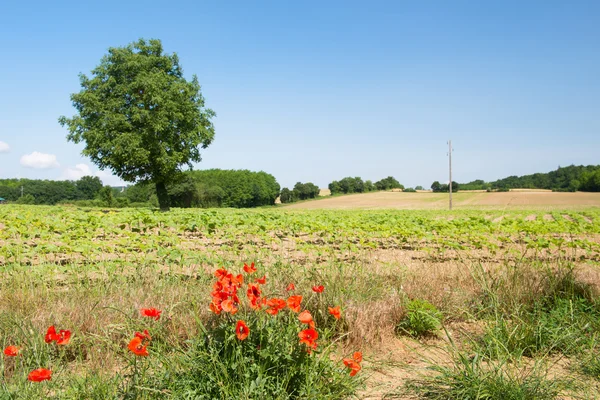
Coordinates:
[531,217]
[548,217]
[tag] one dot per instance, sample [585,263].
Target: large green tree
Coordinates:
[139,117]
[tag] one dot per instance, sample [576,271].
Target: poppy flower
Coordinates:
[12,351]
[309,337]
[40,374]
[241,330]
[61,338]
[262,280]
[275,305]
[290,287]
[335,311]
[137,347]
[293,303]
[253,291]
[249,269]
[318,289]
[353,365]
[151,313]
[306,318]
[229,306]
[357,356]
[144,335]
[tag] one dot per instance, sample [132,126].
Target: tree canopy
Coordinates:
[139,117]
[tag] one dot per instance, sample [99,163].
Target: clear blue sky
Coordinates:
[315,91]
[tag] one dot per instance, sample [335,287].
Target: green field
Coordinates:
[514,289]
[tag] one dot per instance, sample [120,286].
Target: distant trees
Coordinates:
[563,179]
[419,187]
[438,187]
[301,191]
[388,183]
[50,192]
[357,185]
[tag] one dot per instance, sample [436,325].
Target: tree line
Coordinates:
[301,191]
[357,185]
[37,191]
[563,179]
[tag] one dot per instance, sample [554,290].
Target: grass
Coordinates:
[534,305]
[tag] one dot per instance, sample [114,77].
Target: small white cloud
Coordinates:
[77,172]
[80,170]
[39,160]
[4,147]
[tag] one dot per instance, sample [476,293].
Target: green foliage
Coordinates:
[409,190]
[26,199]
[473,377]
[139,117]
[422,319]
[106,196]
[419,187]
[388,183]
[356,185]
[49,192]
[301,191]
[563,179]
[269,364]
[438,187]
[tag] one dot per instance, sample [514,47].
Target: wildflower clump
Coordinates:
[263,343]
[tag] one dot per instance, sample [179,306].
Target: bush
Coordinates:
[422,319]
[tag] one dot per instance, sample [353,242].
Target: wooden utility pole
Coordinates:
[450,169]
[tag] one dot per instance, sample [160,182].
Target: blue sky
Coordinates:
[315,91]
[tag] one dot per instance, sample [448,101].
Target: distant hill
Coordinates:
[563,179]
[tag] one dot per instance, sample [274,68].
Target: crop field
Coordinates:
[514,199]
[442,305]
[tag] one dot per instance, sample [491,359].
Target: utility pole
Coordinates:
[450,169]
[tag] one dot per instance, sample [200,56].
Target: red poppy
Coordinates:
[309,337]
[12,351]
[241,330]
[306,318]
[357,356]
[137,347]
[335,311]
[249,269]
[253,291]
[318,289]
[229,306]
[262,280]
[275,305]
[61,338]
[40,374]
[151,313]
[293,303]
[291,286]
[353,365]
[144,335]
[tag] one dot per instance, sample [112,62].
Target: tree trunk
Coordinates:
[163,196]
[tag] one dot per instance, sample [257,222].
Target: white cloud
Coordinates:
[81,170]
[39,160]
[77,172]
[4,147]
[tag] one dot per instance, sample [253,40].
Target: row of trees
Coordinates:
[357,185]
[301,191]
[438,187]
[563,179]
[211,188]
[36,191]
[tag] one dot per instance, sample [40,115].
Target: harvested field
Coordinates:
[462,200]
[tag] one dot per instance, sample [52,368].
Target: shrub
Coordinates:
[422,319]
